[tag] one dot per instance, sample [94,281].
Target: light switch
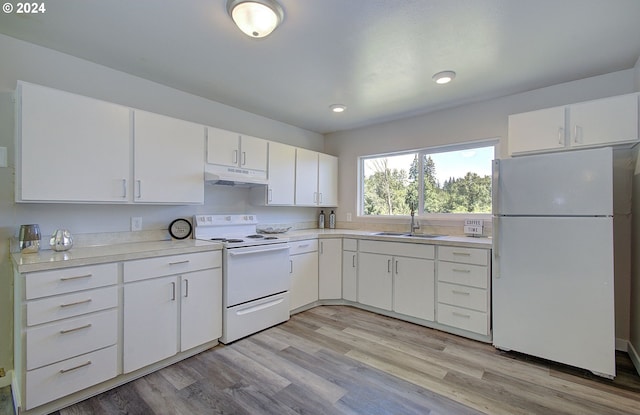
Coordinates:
[3,157]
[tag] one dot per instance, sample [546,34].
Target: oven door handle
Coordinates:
[257,251]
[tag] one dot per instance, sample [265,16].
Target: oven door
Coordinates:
[254,272]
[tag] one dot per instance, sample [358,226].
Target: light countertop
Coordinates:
[48,259]
[78,256]
[463,241]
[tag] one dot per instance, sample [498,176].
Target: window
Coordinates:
[444,180]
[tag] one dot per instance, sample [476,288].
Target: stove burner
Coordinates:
[232,241]
[218,239]
[255,236]
[270,237]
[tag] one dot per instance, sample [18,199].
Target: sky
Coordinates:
[450,164]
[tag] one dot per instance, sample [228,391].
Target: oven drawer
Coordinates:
[248,318]
[170,265]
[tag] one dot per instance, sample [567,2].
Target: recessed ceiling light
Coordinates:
[337,108]
[444,77]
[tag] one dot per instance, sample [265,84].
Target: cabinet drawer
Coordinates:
[71,305]
[472,275]
[398,249]
[170,265]
[54,342]
[349,244]
[461,296]
[465,255]
[62,281]
[300,247]
[55,381]
[463,318]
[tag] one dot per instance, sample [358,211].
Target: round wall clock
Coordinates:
[180,229]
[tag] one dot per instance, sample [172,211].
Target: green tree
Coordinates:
[385,190]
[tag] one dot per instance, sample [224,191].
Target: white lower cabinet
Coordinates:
[402,282]
[71,322]
[67,339]
[330,269]
[173,313]
[350,269]
[464,297]
[303,266]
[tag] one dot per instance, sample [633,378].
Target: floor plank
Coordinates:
[344,360]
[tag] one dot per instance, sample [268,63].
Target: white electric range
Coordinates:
[255,273]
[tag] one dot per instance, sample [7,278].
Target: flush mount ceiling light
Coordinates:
[256,18]
[337,108]
[444,77]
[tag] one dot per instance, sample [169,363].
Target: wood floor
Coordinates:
[343,360]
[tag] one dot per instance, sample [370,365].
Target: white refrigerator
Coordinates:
[553,277]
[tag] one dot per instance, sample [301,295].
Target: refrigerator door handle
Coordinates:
[495,180]
[496,239]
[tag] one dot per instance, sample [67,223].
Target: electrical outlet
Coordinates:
[348,217]
[136,223]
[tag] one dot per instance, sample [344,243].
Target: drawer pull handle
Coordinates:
[466,271]
[76,277]
[87,363]
[88,300]
[461,315]
[303,245]
[460,292]
[462,253]
[86,326]
[186,261]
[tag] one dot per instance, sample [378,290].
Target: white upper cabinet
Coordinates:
[281,173]
[168,160]
[316,178]
[607,121]
[306,177]
[537,130]
[70,148]
[327,180]
[227,148]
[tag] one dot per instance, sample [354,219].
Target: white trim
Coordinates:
[622,344]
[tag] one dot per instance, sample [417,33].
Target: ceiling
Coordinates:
[376,57]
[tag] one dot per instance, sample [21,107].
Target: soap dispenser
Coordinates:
[332,220]
[321,220]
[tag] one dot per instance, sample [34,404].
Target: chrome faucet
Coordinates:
[414,224]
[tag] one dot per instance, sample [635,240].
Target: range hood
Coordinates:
[234,176]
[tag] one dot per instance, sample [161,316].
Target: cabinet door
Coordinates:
[306,177]
[349,275]
[537,130]
[304,279]
[150,322]
[168,160]
[253,153]
[413,287]
[282,171]
[201,308]
[327,180]
[375,280]
[71,148]
[605,121]
[330,269]
[222,147]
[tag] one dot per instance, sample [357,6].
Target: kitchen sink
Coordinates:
[391,234]
[408,235]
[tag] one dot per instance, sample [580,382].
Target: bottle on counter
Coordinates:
[332,220]
[321,220]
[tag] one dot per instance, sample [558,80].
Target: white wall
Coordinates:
[482,120]
[28,62]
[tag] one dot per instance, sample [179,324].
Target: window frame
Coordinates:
[495,142]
